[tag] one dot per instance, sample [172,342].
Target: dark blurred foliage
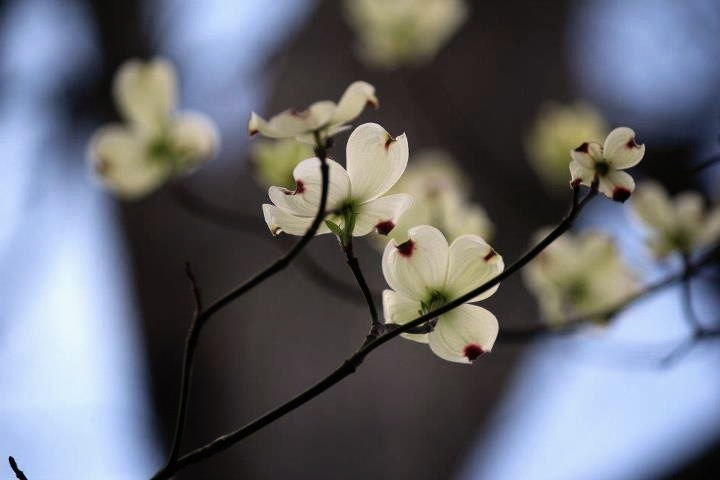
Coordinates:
[405,414]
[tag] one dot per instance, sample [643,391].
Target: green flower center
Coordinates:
[602,168]
[435,299]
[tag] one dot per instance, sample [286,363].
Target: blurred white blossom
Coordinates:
[682,224]
[356,202]
[394,33]
[440,193]
[579,275]
[326,118]
[424,274]
[605,163]
[559,128]
[273,161]
[156,142]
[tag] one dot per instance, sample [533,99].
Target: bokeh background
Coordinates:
[95,305]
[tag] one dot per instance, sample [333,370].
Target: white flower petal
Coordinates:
[580,174]
[620,149]
[419,265]
[400,309]
[375,161]
[651,204]
[353,102]
[472,263]
[305,199]
[381,214]
[145,92]
[463,334]
[118,155]
[278,220]
[257,124]
[195,136]
[321,113]
[587,154]
[617,185]
[292,123]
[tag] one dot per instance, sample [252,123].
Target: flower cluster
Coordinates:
[579,276]
[592,162]
[425,273]
[324,118]
[356,200]
[680,225]
[557,129]
[156,143]
[440,194]
[403,32]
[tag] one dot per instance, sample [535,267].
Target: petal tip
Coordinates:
[583,148]
[384,227]
[621,194]
[490,255]
[473,351]
[406,248]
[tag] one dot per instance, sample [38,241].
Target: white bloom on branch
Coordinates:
[156,143]
[403,32]
[557,129]
[579,276]
[356,200]
[273,161]
[679,225]
[591,161]
[425,273]
[325,117]
[440,198]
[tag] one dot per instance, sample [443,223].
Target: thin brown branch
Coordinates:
[350,365]
[16,470]
[524,334]
[201,320]
[376,326]
[247,223]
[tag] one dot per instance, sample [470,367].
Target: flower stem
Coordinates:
[201,318]
[688,309]
[376,326]
[19,474]
[350,365]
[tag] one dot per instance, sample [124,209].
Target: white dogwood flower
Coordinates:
[403,32]
[325,117]
[273,161]
[425,273]
[605,163]
[156,142]
[579,275]
[440,198]
[681,224]
[356,200]
[557,129]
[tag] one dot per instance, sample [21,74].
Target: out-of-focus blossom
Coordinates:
[679,225]
[557,129]
[440,194]
[605,163]
[424,274]
[579,275]
[356,200]
[394,33]
[273,161]
[326,118]
[156,142]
